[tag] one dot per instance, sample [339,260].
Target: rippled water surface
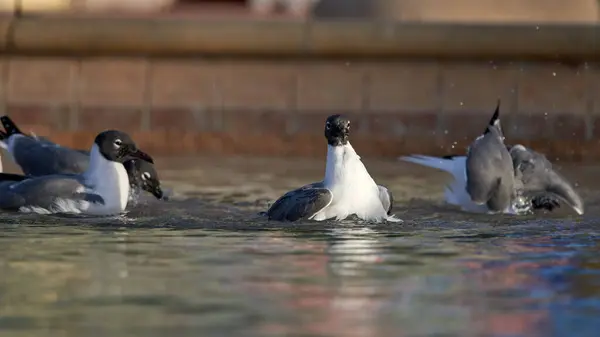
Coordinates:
[205,264]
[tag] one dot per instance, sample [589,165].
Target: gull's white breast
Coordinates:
[354,190]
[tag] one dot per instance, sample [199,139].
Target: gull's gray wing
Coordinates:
[42,157]
[301,203]
[540,181]
[387,198]
[489,168]
[7,179]
[44,192]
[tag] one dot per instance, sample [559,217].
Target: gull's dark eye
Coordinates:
[145,175]
[118,142]
[328,126]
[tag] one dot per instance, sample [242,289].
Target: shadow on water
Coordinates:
[190,268]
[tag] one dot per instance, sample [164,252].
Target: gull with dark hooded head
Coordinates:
[38,156]
[143,176]
[347,188]
[103,189]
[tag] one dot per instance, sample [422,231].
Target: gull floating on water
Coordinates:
[347,188]
[38,156]
[535,185]
[103,189]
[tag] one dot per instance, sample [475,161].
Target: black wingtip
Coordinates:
[3,135]
[495,120]
[10,126]
[496,115]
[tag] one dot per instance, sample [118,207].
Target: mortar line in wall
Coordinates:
[294,87]
[4,86]
[440,114]
[75,93]
[589,115]
[365,99]
[291,123]
[516,85]
[147,96]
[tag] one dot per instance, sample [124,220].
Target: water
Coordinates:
[205,264]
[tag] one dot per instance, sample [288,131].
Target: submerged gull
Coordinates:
[540,182]
[536,185]
[347,188]
[38,156]
[103,189]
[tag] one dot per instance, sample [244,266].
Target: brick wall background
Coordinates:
[278,107]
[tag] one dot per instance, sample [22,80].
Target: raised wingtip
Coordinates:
[496,117]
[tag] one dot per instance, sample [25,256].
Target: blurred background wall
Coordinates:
[235,77]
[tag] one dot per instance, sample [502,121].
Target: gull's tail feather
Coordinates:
[392,218]
[450,165]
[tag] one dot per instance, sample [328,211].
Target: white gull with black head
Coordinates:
[347,188]
[103,189]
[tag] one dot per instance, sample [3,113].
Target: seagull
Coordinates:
[38,156]
[347,188]
[103,189]
[142,176]
[536,185]
[540,182]
[489,169]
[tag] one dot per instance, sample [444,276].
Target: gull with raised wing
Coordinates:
[536,185]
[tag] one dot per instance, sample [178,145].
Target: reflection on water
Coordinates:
[194,269]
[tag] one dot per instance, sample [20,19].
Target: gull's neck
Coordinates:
[108,179]
[339,161]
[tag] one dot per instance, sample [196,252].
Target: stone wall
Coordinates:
[277,106]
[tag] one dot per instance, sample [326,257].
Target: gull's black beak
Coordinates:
[152,186]
[137,153]
[157,192]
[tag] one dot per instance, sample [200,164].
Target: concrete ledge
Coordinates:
[154,37]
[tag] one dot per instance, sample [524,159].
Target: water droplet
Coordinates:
[537,27]
[445,132]
[461,103]
[553,74]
